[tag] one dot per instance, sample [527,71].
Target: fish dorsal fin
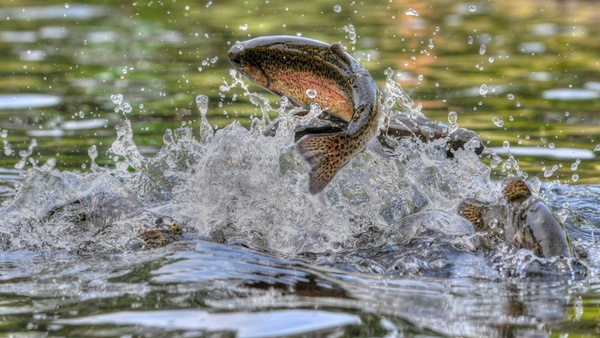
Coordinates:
[472,210]
[515,190]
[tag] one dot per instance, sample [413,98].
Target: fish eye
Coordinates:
[235,58]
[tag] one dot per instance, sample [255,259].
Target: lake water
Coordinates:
[103,140]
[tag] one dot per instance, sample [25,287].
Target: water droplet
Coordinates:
[420,77]
[472,8]
[470,40]
[518,104]
[244,27]
[93,152]
[566,113]
[482,49]
[202,104]
[430,45]
[126,108]
[574,166]
[311,93]
[239,45]
[498,122]
[496,160]
[548,173]
[168,137]
[575,177]
[117,98]
[551,145]
[491,59]
[505,144]
[337,8]
[411,11]
[483,89]
[452,117]
[351,33]
[510,97]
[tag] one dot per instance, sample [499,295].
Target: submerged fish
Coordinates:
[524,220]
[309,71]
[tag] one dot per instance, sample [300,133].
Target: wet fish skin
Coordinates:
[537,222]
[291,66]
[529,223]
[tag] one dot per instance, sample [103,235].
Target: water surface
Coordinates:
[102,133]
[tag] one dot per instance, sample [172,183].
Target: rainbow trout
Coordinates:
[308,71]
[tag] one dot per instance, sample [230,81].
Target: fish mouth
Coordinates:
[235,55]
[244,64]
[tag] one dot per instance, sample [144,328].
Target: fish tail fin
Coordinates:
[472,210]
[326,154]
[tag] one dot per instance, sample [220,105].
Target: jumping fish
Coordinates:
[308,71]
[524,220]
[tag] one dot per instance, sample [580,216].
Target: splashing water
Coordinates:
[252,189]
[386,213]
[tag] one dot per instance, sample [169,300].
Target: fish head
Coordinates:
[303,70]
[536,227]
[248,64]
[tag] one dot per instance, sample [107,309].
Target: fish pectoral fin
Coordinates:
[326,154]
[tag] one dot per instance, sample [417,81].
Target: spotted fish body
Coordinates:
[294,67]
[527,222]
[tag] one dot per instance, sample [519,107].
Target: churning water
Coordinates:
[381,251]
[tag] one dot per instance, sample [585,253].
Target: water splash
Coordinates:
[351,33]
[206,130]
[251,188]
[452,119]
